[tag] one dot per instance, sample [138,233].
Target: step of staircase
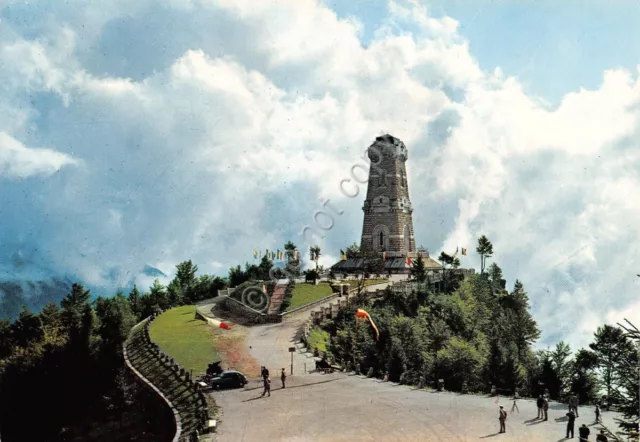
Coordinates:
[276,299]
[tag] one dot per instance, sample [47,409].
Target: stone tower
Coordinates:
[388,223]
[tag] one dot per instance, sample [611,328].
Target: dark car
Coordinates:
[229,379]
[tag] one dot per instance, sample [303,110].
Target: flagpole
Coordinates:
[355,339]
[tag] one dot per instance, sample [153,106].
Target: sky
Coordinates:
[144,133]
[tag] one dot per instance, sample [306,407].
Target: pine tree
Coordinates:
[418,270]
[134,302]
[485,250]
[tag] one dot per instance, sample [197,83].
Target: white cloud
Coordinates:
[19,161]
[219,137]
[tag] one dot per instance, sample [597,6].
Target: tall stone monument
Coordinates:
[388,222]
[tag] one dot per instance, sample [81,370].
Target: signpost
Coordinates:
[292,350]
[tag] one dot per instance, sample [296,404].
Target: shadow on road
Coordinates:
[255,398]
[489,435]
[289,387]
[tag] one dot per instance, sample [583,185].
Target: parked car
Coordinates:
[229,379]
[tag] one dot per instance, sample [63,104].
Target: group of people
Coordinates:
[543,409]
[266,380]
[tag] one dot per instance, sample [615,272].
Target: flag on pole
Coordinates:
[342,255]
[464,251]
[361,314]
[408,260]
[255,254]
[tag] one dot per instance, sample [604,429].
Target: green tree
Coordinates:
[175,294]
[584,382]
[186,274]
[158,295]
[418,270]
[495,278]
[352,251]
[460,361]
[611,347]
[264,267]
[134,302]
[626,395]
[293,262]
[51,319]
[27,329]
[314,254]
[6,338]
[563,365]
[237,276]
[485,250]
[449,264]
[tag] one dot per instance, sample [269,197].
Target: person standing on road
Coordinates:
[571,423]
[545,407]
[516,396]
[584,433]
[283,377]
[540,403]
[573,404]
[602,437]
[502,418]
[598,418]
[267,386]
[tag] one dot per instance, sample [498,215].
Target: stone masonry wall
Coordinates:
[389,186]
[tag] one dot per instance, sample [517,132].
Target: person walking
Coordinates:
[267,387]
[545,407]
[516,396]
[283,377]
[502,418]
[584,432]
[602,437]
[598,418]
[540,403]
[571,423]
[573,404]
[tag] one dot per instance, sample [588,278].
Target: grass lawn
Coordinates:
[187,340]
[354,284]
[304,293]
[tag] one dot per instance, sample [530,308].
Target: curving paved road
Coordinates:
[352,408]
[339,407]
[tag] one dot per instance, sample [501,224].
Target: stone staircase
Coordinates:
[276,299]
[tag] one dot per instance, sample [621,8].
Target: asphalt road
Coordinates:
[338,407]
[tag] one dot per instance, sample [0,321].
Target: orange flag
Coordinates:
[361,314]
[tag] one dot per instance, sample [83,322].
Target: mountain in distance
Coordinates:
[24,282]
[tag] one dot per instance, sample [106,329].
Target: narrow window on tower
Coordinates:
[381,240]
[401,177]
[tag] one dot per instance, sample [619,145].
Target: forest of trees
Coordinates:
[62,374]
[63,367]
[477,333]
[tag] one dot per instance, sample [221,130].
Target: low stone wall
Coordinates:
[176,416]
[238,308]
[317,315]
